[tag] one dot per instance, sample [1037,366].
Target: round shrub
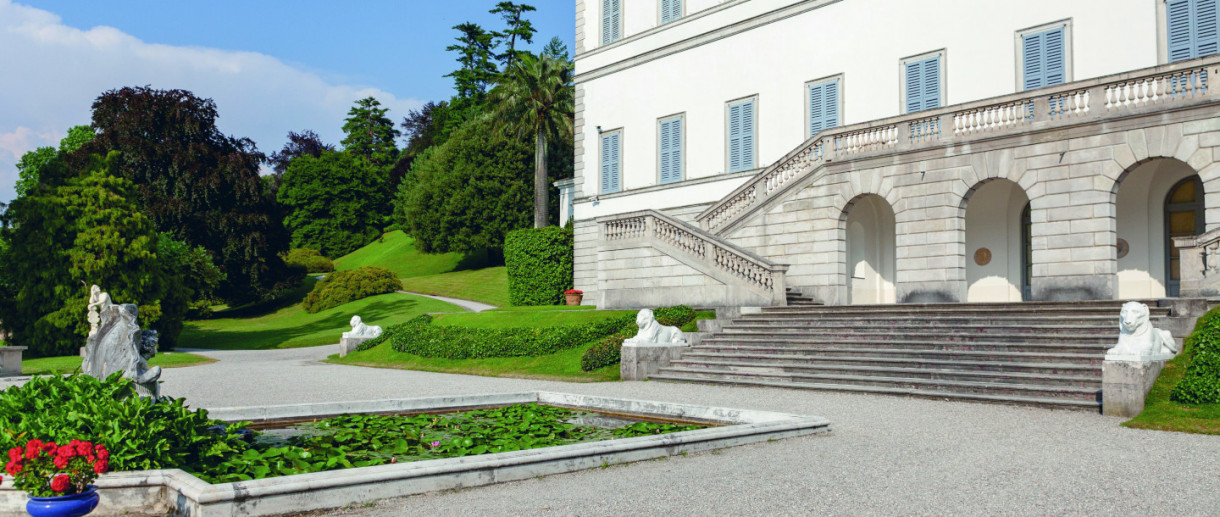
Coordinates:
[1201,383]
[310,260]
[342,287]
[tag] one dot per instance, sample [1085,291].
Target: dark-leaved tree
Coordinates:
[332,202]
[195,183]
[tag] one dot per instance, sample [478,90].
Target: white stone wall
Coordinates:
[644,277]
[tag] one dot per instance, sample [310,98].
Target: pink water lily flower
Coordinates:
[436,444]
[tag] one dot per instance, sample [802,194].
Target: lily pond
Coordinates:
[365,440]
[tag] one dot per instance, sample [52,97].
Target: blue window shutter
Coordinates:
[735,137]
[1031,61]
[1181,37]
[664,152]
[914,86]
[747,135]
[1207,28]
[611,15]
[610,163]
[823,106]
[616,20]
[1054,58]
[931,83]
[670,10]
[671,150]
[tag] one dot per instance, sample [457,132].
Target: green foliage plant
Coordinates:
[333,203]
[342,287]
[1201,382]
[370,134]
[539,262]
[309,260]
[608,351]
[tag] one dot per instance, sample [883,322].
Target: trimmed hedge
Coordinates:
[309,260]
[419,337]
[342,287]
[608,351]
[539,264]
[1201,383]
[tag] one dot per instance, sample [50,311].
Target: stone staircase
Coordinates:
[1040,353]
[795,298]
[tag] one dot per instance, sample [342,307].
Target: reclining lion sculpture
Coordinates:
[652,332]
[1138,340]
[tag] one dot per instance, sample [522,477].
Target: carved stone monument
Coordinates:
[359,334]
[652,348]
[117,344]
[1132,365]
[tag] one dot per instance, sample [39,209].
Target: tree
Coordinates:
[536,97]
[474,50]
[518,27]
[468,193]
[332,202]
[195,183]
[370,133]
[32,162]
[556,49]
[423,128]
[305,143]
[84,230]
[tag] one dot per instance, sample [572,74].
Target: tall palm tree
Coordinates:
[536,95]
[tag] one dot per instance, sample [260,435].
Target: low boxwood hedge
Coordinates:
[342,287]
[539,263]
[1201,383]
[608,351]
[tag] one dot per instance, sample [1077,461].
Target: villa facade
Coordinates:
[733,152]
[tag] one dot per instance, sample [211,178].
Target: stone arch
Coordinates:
[1144,219]
[867,223]
[996,215]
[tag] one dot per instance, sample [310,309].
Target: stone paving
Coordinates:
[885,455]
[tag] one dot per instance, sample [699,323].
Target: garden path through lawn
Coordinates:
[885,455]
[469,305]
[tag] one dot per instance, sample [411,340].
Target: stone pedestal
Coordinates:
[349,344]
[10,360]
[641,361]
[1125,384]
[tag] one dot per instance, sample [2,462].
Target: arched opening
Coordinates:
[1156,200]
[870,251]
[997,243]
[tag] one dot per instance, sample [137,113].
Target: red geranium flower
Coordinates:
[14,454]
[101,466]
[60,482]
[573,291]
[49,448]
[33,448]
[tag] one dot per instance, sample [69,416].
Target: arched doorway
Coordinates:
[1156,200]
[997,242]
[870,251]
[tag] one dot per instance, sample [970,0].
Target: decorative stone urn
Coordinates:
[573,296]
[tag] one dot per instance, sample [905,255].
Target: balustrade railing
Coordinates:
[1115,95]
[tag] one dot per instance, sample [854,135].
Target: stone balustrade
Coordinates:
[1132,93]
[1200,264]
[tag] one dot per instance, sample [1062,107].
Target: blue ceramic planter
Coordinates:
[74,505]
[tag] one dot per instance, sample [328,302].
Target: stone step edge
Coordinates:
[762,337]
[886,351]
[930,371]
[881,390]
[981,364]
[878,378]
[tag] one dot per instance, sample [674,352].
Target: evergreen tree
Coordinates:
[477,70]
[333,202]
[519,28]
[370,133]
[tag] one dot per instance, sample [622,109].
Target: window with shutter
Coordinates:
[670,151]
[923,84]
[1193,28]
[741,136]
[611,153]
[1044,58]
[823,106]
[612,14]
[670,10]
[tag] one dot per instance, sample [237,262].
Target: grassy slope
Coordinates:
[289,326]
[53,365]
[563,365]
[447,274]
[1162,414]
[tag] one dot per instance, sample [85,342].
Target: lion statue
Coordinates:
[652,332]
[360,330]
[1137,338]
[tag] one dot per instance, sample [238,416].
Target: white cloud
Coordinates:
[50,74]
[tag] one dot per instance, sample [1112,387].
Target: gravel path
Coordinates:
[885,455]
[469,305]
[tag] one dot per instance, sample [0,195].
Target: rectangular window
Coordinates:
[741,136]
[612,20]
[1193,28]
[611,157]
[923,83]
[823,105]
[1043,58]
[670,150]
[670,10]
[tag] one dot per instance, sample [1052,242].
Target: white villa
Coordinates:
[736,152]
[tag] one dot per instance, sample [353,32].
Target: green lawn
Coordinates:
[488,285]
[561,366]
[396,252]
[69,364]
[1162,414]
[515,317]
[289,326]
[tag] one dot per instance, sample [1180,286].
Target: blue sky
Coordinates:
[271,66]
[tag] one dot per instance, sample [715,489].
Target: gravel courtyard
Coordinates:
[884,456]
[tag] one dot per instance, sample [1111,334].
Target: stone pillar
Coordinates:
[640,361]
[567,199]
[1125,385]
[348,345]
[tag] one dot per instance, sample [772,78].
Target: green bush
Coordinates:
[539,264]
[342,287]
[608,351]
[419,337]
[310,260]
[1201,383]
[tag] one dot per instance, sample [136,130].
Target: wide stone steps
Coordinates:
[1046,353]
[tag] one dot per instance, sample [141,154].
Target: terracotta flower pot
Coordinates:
[573,299]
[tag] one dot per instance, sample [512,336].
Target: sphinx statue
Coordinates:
[362,331]
[653,333]
[117,344]
[1138,340]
